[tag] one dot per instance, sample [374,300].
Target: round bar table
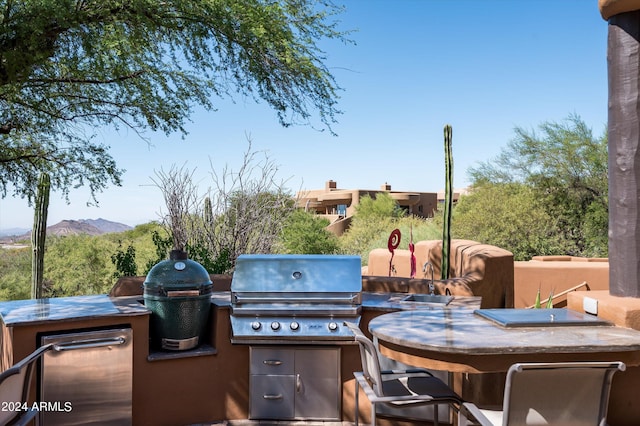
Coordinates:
[461,341]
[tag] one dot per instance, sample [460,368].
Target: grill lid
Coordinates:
[287,275]
[294,298]
[178,273]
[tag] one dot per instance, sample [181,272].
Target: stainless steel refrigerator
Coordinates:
[87,378]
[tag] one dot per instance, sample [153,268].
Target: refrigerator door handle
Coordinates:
[89,343]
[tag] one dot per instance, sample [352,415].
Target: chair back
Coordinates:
[15,383]
[568,394]
[369,358]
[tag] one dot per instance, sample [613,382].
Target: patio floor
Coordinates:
[274,423]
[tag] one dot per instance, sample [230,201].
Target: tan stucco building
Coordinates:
[338,205]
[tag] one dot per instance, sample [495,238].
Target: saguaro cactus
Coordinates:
[39,235]
[208,211]
[448,202]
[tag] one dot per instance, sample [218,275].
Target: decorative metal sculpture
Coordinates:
[412,249]
[393,243]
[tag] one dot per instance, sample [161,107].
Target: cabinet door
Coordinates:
[317,384]
[272,397]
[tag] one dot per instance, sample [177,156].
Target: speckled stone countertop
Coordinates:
[461,331]
[24,312]
[394,302]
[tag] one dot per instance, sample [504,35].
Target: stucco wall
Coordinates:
[557,274]
[476,269]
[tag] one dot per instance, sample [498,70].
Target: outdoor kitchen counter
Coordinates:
[23,312]
[39,311]
[394,302]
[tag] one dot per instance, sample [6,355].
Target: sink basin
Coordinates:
[428,298]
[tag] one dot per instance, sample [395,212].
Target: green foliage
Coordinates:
[423,229]
[140,239]
[162,248]
[68,67]
[510,216]
[77,265]
[306,233]
[565,167]
[214,263]
[538,303]
[124,261]
[15,267]
[373,222]
[381,207]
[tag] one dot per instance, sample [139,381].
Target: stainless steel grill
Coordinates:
[295,298]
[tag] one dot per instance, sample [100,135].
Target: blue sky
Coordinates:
[483,66]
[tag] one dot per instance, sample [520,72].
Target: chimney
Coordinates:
[386,187]
[331,184]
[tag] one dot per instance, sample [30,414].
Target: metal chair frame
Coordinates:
[560,393]
[398,388]
[15,384]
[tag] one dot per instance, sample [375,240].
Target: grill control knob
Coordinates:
[294,325]
[256,325]
[275,325]
[333,326]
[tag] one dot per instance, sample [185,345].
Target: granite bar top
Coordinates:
[34,311]
[461,331]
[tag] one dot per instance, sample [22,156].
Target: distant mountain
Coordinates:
[86,226]
[12,231]
[106,226]
[74,227]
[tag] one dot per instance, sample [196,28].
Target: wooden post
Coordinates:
[623,58]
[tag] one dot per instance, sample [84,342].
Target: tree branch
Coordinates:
[88,80]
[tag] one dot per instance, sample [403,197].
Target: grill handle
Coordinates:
[301,299]
[271,397]
[273,362]
[183,293]
[89,343]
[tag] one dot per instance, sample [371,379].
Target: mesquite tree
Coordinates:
[39,235]
[70,67]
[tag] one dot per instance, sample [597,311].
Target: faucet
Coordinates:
[424,271]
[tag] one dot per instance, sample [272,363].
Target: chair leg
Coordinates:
[435,415]
[356,402]
[373,414]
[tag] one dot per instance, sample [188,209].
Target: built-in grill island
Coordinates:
[290,309]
